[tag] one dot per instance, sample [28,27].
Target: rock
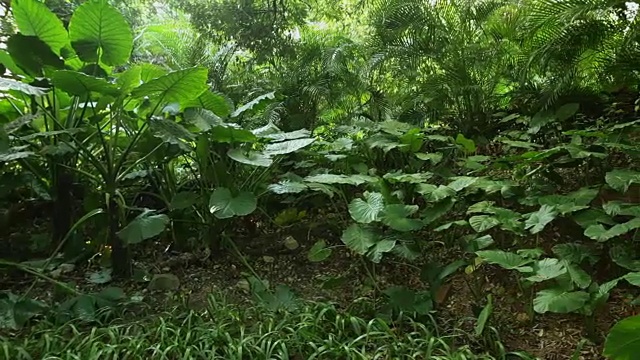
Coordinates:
[291,243]
[244,285]
[164,282]
[268,259]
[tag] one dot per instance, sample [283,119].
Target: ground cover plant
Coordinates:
[359,179]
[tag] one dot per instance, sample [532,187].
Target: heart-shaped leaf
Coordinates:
[179,86]
[623,341]
[223,205]
[319,251]
[481,223]
[539,219]
[250,157]
[143,227]
[396,216]
[559,301]
[99,32]
[359,239]
[367,211]
[507,260]
[35,19]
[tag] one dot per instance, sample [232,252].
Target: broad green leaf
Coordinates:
[477,244]
[575,253]
[203,119]
[437,210]
[228,133]
[506,260]
[223,205]
[16,311]
[621,179]
[79,84]
[625,256]
[577,275]
[468,145]
[396,216]
[99,32]
[599,233]
[319,251]
[559,301]
[367,211]
[539,219]
[417,178]
[184,200]
[434,158]
[100,277]
[448,225]
[434,193]
[482,207]
[9,64]
[381,247]
[282,136]
[214,102]
[179,86]
[287,147]
[590,217]
[566,111]
[32,55]
[250,157]
[10,84]
[287,187]
[633,278]
[481,223]
[143,227]
[623,341]
[359,239]
[583,196]
[35,19]
[341,179]
[462,182]
[547,269]
[248,106]
[171,132]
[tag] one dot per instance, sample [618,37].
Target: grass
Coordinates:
[227,331]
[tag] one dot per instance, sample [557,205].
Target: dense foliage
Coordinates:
[506,130]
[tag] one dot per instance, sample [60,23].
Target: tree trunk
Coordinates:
[120,256]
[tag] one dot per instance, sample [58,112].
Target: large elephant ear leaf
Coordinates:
[35,19]
[623,341]
[143,227]
[99,32]
[180,86]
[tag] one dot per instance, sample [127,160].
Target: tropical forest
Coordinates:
[319,179]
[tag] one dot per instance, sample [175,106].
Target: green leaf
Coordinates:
[100,277]
[35,19]
[250,157]
[623,341]
[99,32]
[16,311]
[566,111]
[359,239]
[10,84]
[437,210]
[229,133]
[275,134]
[287,187]
[179,86]
[143,227]
[341,179]
[203,119]
[575,253]
[367,211]
[547,269]
[248,106]
[223,205]
[481,223]
[538,220]
[462,182]
[620,180]
[287,147]
[435,193]
[381,247]
[468,145]
[577,275]
[506,260]
[32,55]
[79,84]
[183,200]
[559,301]
[319,251]
[484,316]
[396,216]
[213,102]
[434,158]
[633,278]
